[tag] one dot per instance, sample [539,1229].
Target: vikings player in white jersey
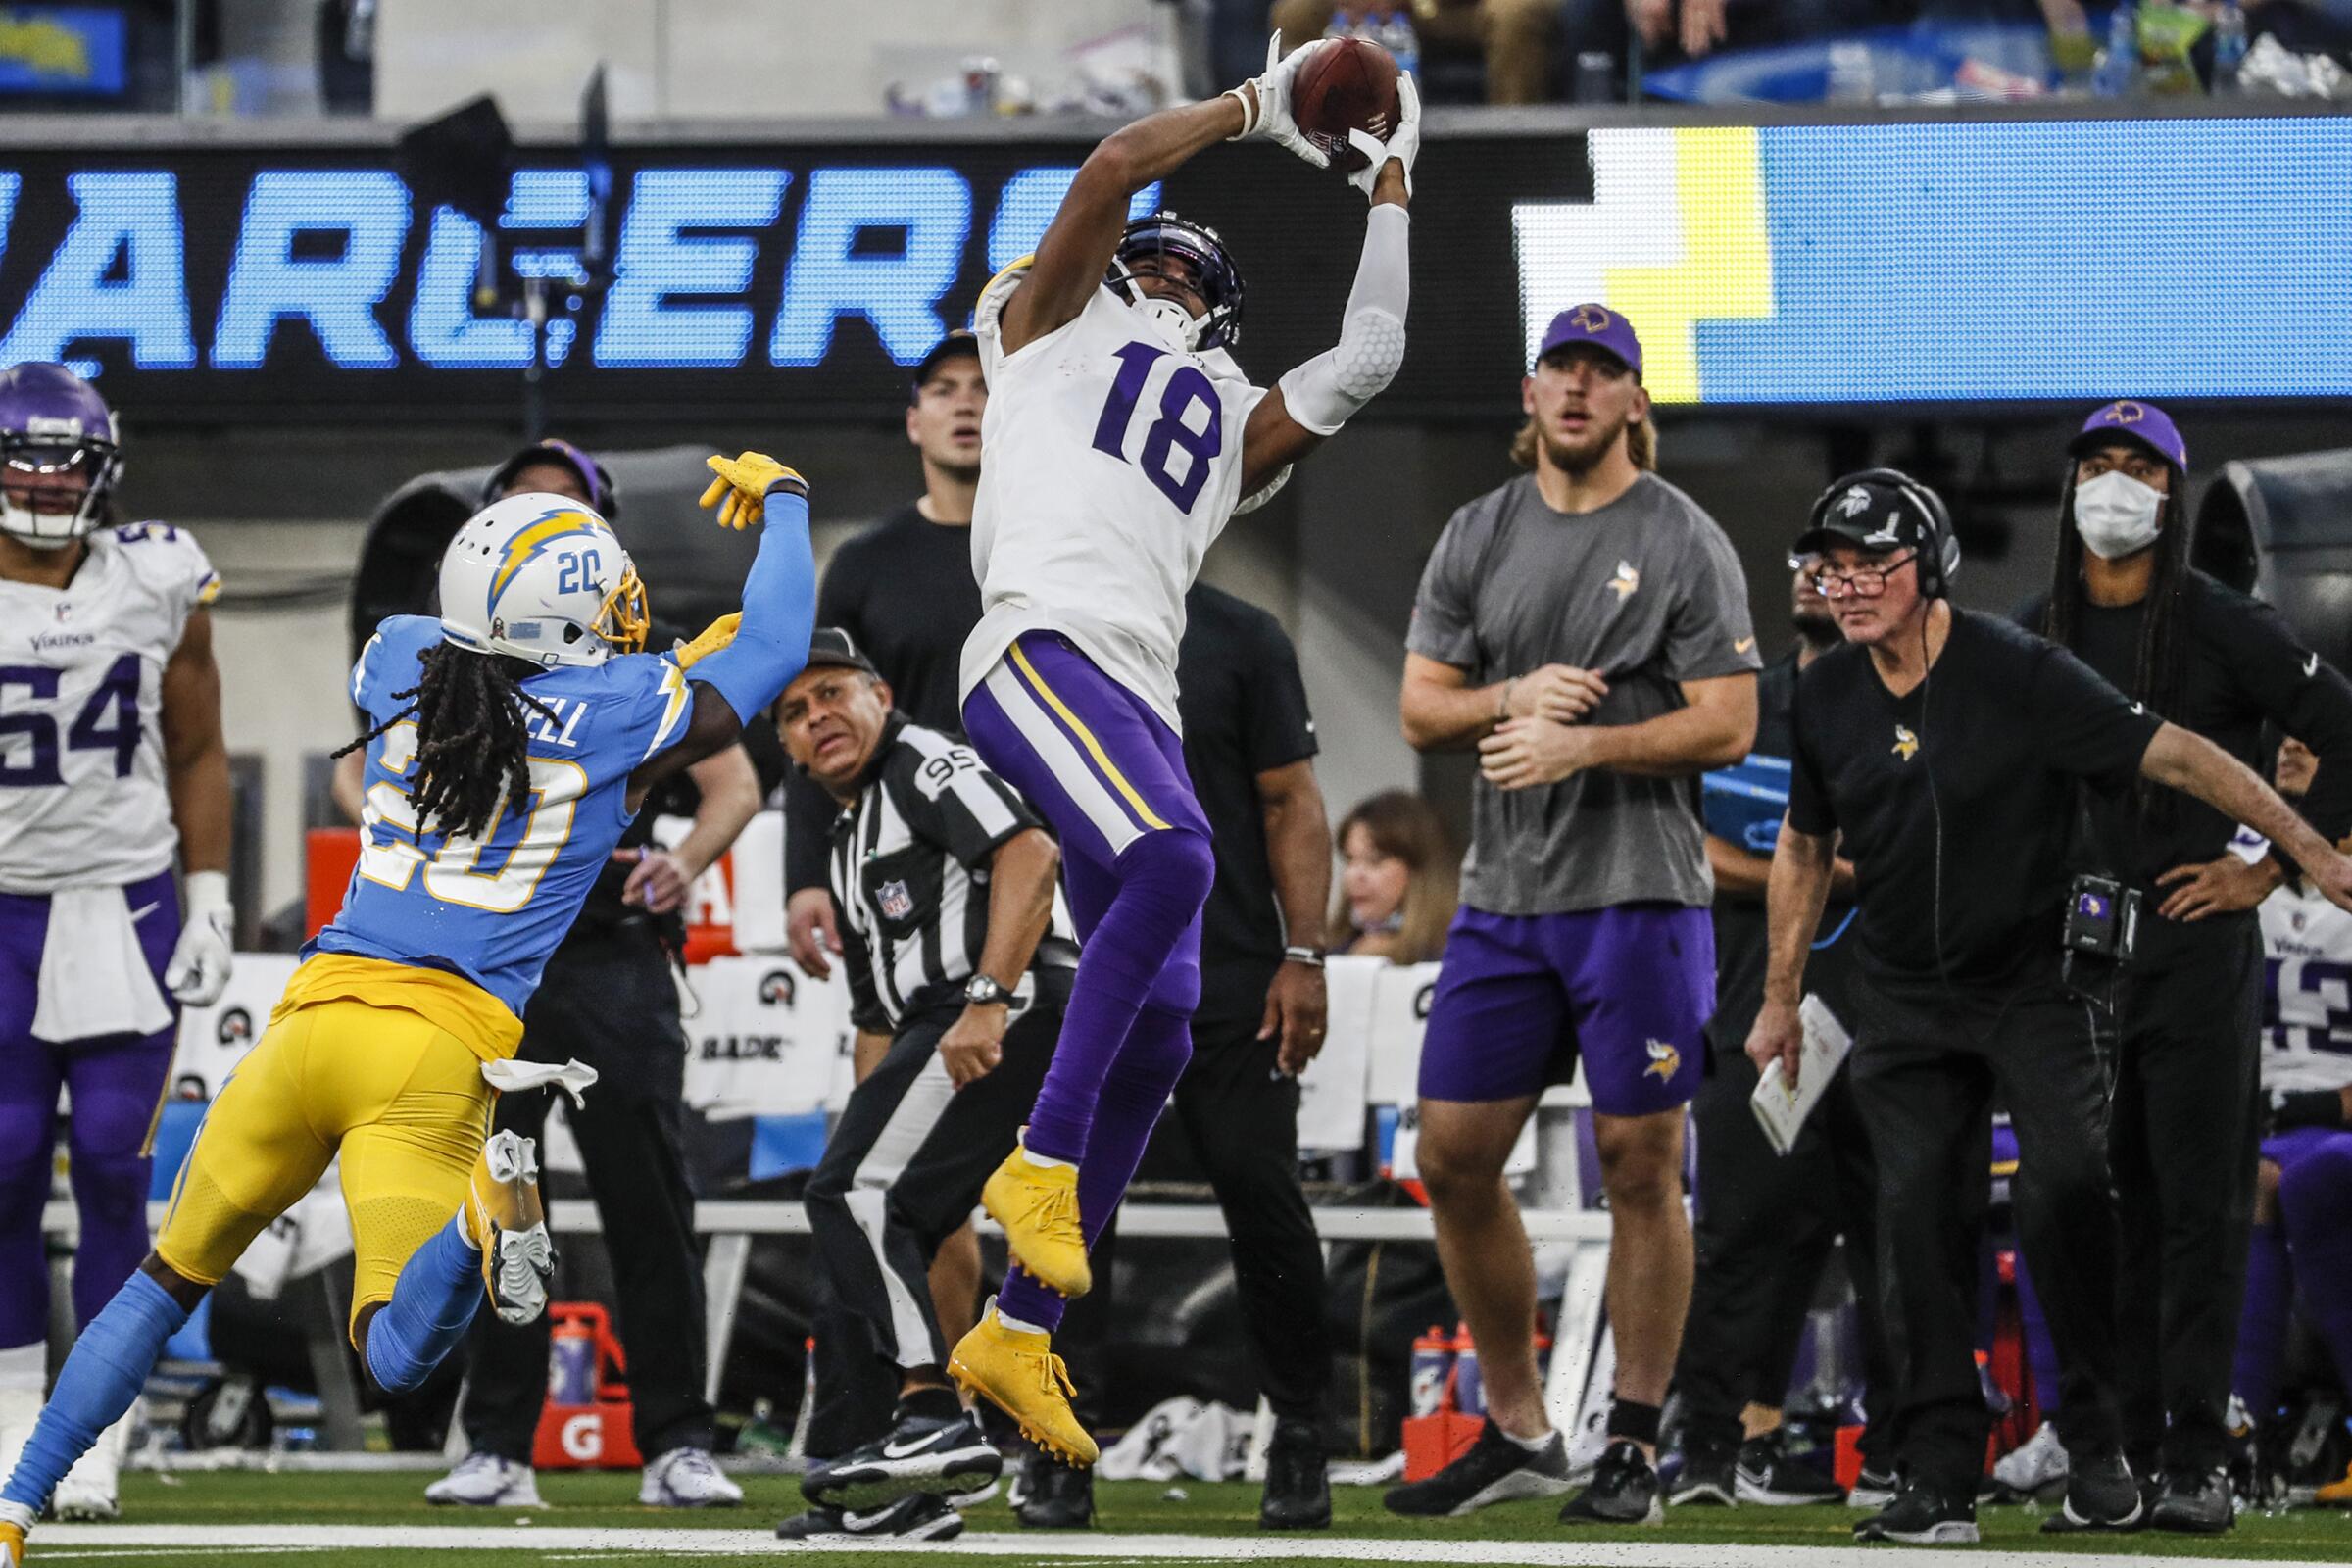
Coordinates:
[111,767]
[1121,437]
[2303,1208]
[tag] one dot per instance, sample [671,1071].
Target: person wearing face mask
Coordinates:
[2188,1006]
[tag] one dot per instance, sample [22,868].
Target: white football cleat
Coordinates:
[2032,1468]
[486,1481]
[91,1489]
[504,1219]
[685,1478]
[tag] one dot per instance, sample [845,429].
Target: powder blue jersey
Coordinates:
[493,908]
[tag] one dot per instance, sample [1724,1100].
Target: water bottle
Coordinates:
[571,1363]
[2229,47]
[2117,74]
[1433,1359]
[1469,1390]
[1395,33]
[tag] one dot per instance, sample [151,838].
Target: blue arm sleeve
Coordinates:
[779,611]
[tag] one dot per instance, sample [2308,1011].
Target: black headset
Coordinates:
[1939,564]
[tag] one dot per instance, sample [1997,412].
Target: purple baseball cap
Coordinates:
[2143,422]
[1597,325]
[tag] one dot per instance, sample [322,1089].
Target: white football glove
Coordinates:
[200,962]
[1268,117]
[1403,144]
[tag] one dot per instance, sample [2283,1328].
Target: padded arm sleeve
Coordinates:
[1326,391]
[779,611]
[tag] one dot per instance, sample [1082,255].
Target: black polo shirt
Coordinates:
[1243,707]
[1957,800]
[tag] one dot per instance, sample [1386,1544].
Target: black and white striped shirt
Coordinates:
[909,860]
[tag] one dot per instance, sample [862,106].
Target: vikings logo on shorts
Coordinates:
[1664,1062]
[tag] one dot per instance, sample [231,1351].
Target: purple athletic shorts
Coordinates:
[1521,996]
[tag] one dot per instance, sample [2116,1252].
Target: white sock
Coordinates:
[1042,1161]
[1016,1325]
[1531,1445]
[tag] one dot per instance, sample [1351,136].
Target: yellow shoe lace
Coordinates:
[1054,1212]
[1051,1370]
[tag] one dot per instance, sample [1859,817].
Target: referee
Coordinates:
[956,948]
[2189,1008]
[1941,749]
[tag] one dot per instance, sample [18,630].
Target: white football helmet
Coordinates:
[541,578]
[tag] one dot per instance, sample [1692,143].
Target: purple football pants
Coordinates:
[1109,774]
[117,1083]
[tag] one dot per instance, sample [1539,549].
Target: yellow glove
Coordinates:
[740,492]
[715,636]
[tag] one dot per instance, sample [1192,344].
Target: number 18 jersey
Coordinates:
[493,908]
[1114,460]
[83,796]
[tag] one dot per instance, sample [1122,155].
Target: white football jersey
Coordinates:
[2307,1001]
[1114,460]
[83,798]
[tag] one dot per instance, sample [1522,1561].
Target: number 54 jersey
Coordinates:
[492,908]
[83,796]
[1114,460]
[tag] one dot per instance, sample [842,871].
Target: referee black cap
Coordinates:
[833,647]
[958,342]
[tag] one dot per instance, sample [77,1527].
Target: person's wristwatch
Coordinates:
[982,992]
[1312,958]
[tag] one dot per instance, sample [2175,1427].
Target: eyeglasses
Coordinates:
[1867,583]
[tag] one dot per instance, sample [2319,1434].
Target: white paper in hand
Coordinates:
[1781,1110]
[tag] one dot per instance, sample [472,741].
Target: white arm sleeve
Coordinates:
[1324,392]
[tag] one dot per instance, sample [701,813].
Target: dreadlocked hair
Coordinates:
[472,746]
[2156,673]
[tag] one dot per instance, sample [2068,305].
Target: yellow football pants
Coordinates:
[401,1100]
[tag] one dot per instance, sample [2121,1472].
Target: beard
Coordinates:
[1817,632]
[1579,457]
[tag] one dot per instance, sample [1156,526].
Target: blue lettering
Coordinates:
[899,293]
[133,217]
[547,198]
[442,326]
[268,282]
[656,260]
[1028,204]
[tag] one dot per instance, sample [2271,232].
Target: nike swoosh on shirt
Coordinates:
[2310,666]
[892,1450]
[1743,645]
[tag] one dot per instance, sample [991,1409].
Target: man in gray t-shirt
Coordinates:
[1586,628]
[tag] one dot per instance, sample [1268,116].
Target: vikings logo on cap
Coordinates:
[2143,422]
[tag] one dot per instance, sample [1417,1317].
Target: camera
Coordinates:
[2103,918]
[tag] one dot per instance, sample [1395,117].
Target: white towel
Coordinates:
[574,1078]
[94,977]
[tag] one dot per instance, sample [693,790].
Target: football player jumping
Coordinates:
[111,761]
[1121,436]
[513,739]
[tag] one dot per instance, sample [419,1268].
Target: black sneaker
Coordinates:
[2101,1495]
[1706,1480]
[2195,1505]
[1922,1516]
[1624,1491]
[1494,1469]
[1875,1487]
[1767,1474]
[922,1517]
[1054,1496]
[1298,1495]
[948,1459]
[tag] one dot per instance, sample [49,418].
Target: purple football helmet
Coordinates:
[1197,245]
[53,425]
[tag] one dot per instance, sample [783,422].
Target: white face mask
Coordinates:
[2116,515]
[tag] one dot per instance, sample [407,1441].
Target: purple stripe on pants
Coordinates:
[115,1082]
[1109,776]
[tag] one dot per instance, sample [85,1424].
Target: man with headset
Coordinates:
[1940,751]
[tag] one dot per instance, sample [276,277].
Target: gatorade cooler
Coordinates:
[1436,1439]
[587,1422]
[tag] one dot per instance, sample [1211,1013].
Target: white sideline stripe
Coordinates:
[62,1540]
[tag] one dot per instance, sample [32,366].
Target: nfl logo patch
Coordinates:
[896,902]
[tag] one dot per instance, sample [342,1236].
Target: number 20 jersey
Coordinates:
[1114,460]
[492,910]
[83,796]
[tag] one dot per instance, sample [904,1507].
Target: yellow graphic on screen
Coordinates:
[1726,269]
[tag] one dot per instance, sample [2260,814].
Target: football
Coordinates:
[1349,86]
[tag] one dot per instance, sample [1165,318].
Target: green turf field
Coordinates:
[381,1521]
